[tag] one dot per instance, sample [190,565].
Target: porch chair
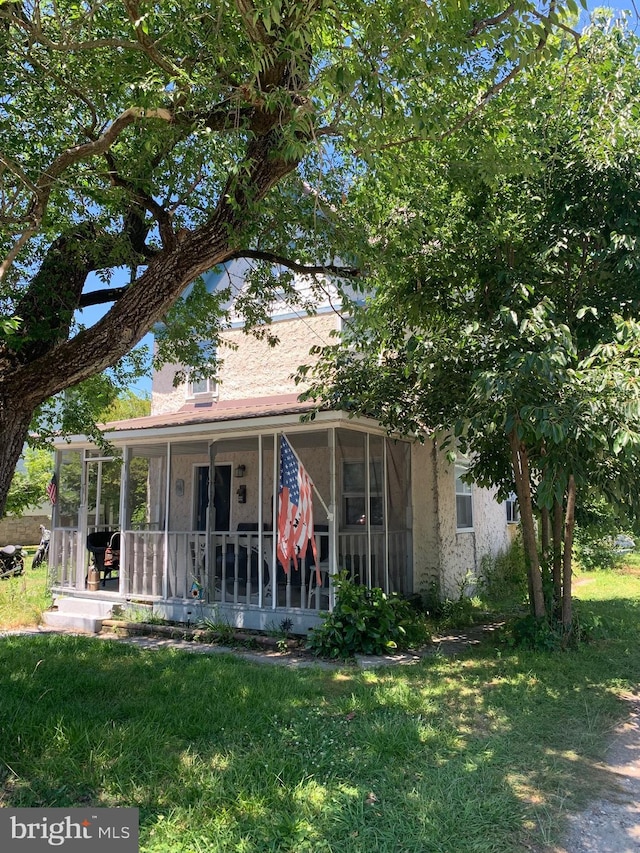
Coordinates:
[97,544]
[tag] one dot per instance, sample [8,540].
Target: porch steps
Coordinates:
[78,614]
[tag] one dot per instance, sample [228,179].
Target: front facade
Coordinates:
[193,489]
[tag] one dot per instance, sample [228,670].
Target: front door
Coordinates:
[221,497]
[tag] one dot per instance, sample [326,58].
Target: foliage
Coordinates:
[126,405]
[594,551]
[510,334]
[367,621]
[23,599]
[549,634]
[147,144]
[29,486]
[503,577]
[597,524]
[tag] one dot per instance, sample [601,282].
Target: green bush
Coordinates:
[536,634]
[503,578]
[367,621]
[594,551]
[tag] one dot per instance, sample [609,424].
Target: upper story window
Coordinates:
[354,493]
[204,388]
[464,499]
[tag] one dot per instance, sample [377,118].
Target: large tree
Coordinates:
[511,331]
[168,138]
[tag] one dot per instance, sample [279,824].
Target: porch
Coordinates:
[222,563]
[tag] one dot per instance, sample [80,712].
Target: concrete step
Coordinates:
[72,622]
[84,607]
[78,614]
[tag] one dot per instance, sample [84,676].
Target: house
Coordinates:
[192,491]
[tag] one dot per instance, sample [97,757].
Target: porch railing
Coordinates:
[236,567]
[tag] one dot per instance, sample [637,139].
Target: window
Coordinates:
[464,499]
[205,387]
[513,510]
[354,493]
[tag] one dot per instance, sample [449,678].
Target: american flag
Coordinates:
[295,512]
[52,488]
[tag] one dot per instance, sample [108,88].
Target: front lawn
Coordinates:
[24,598]
[485,752]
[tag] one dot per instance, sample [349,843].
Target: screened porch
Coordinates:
[195,517]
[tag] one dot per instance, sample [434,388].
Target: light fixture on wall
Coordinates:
[240,471]
[242,494]
[179,488]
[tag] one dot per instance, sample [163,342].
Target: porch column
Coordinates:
[167,497]
[123,575]
[333,517]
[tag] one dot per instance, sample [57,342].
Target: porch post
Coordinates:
[333,517]
[124,522]
[83,522]
[274,559]
[261,523]
[367,506]
[385,511]
[165,566]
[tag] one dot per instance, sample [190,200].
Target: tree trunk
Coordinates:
[569,525]
[521,473]
[558,538]
[15,418]
[545,533]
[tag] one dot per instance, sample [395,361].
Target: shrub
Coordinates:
[503,577]
[543,634]
[594,551]
[367,621]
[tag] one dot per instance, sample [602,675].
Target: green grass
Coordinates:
[23,599]
[483,753]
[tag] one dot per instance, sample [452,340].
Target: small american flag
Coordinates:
[295,512]
[52,488]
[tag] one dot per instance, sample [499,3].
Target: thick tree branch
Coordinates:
[145,201]
[101,297]
[42,188]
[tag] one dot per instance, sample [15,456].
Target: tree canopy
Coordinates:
[166,139]
[511,331]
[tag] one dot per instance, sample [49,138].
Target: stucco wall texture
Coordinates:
[249,366]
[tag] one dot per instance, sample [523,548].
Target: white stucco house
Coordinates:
[192,491]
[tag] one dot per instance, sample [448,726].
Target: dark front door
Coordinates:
[221,497]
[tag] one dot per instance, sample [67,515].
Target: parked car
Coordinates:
[623,543]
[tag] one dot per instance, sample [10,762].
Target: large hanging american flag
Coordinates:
[295,511]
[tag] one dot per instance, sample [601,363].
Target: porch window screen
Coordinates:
[360,499]
[69,477]
[146,489]
[399,514]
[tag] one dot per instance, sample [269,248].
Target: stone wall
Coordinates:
[22,531]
